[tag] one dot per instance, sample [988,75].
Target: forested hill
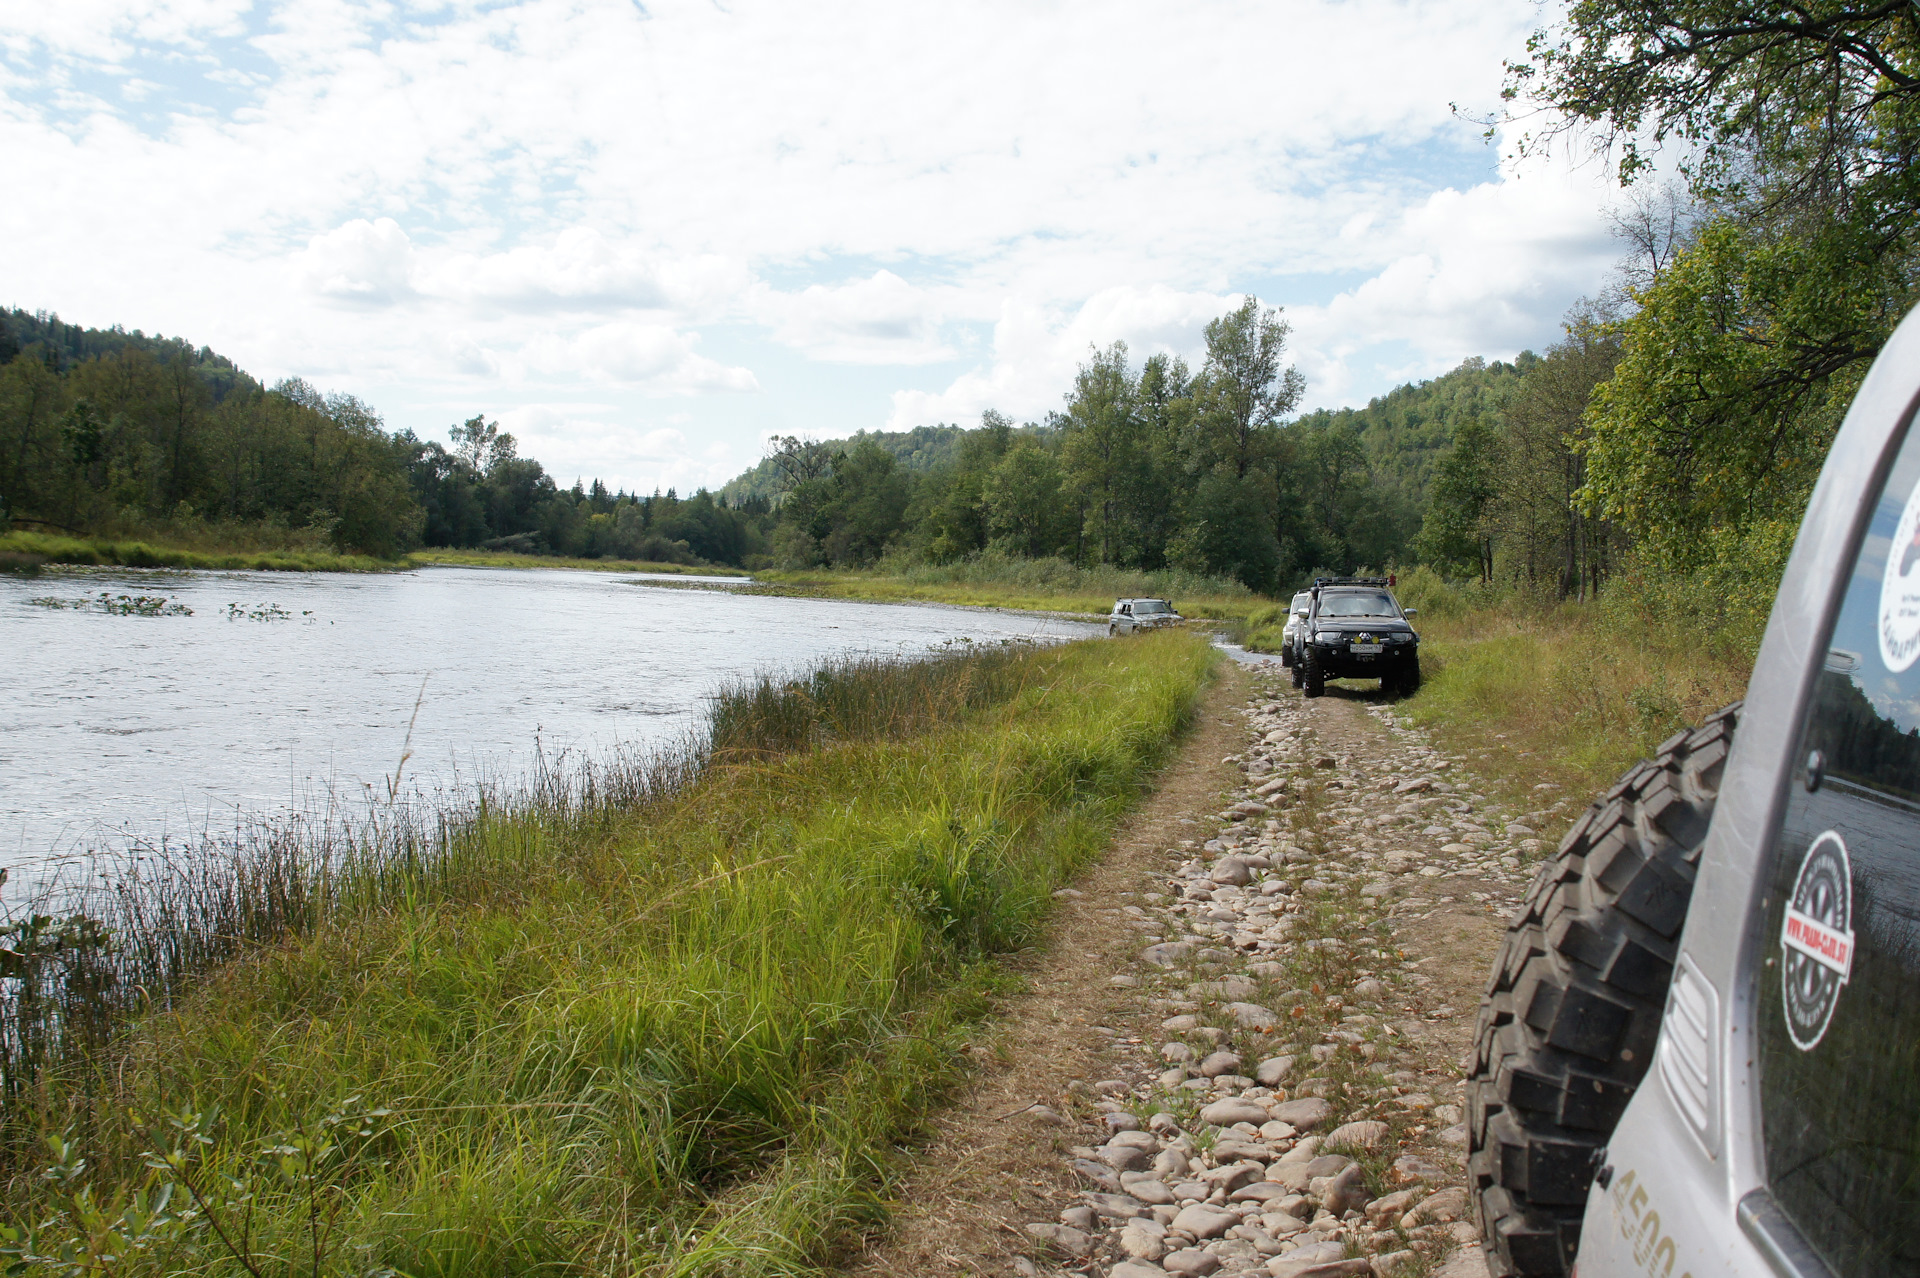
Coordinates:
[1406,431]
[64,345]
[922,449]
[115,433]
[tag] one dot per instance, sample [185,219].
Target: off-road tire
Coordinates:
[1299,674]
[1573,1008]
[1408,680]
[1311,678]
[1286,657]
[1112,632]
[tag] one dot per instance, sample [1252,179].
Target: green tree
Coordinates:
[1101,446]
[1025,508]
[1243,391]
[1454,534]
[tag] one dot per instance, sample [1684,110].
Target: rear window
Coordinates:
[1839,997]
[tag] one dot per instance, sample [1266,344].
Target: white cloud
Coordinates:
[1036,351]
[879,320]
[652,357]
[360,262]
[598,440]
[449,202]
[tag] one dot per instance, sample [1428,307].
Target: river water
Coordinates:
[281,690]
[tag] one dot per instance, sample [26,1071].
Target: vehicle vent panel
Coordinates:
[1688,1056]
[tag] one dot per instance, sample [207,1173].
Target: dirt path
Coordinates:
[1241,1050]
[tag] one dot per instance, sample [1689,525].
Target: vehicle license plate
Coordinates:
[1366,649]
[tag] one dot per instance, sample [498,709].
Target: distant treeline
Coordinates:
[1148,466]
[108,431]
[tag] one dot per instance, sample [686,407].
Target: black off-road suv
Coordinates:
[1356,629]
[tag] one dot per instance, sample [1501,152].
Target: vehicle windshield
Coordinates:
[1357,603]
[1301,600]
[1145,607]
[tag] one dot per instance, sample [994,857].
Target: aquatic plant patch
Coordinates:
[118,605]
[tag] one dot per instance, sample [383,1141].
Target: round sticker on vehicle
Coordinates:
[1900,591]
[1816,941]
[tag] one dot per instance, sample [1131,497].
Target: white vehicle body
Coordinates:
[1775,1132]
[1130,615]
[1296,619]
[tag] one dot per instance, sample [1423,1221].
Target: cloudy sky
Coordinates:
[646,237]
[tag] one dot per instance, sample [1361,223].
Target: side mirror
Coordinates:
[1410,612]
[1300,613]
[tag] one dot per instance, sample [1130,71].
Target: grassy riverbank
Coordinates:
[501,559]
[26,551]
[664,1019]
[1032,585]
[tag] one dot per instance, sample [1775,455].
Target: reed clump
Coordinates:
[673,1014]
[46,548]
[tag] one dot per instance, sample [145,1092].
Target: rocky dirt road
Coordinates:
[1242,1051]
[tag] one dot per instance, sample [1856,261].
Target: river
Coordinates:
[282,690]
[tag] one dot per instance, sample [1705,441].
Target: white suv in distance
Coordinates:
[1130,615]
[1290,633]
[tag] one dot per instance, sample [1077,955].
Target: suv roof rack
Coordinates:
[1352,581]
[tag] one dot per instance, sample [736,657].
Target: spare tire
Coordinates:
[1573,1008]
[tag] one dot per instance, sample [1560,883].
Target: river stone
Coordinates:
[1232,1177]
[1260,1191]
[1064,1238]
[1125,1158]
[1411,1169]
[1134,1136]
[1080,1217]
[1291,1266]
[1273,1071]
[1149,1191]
[1347,1191]
[1382,1211]
[1233,987]
[1121,1122]
[1304,1114]
[1096,1174]
[1176,1053]
[1144,1239]
[1396,1264]
[1225,1113]
[1167,953]
[1448,1204]
[1195,1261]
[1231,870]
[1136,1269]
[1328,1164]
[1365,1134]
[1370,991]
[1221,1063]
[1116,1206]
[1202,1221]
[1252,1016]
[1185,1023]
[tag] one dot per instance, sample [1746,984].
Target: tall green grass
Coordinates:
[1574,693]
[29,550]
[665,1021]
